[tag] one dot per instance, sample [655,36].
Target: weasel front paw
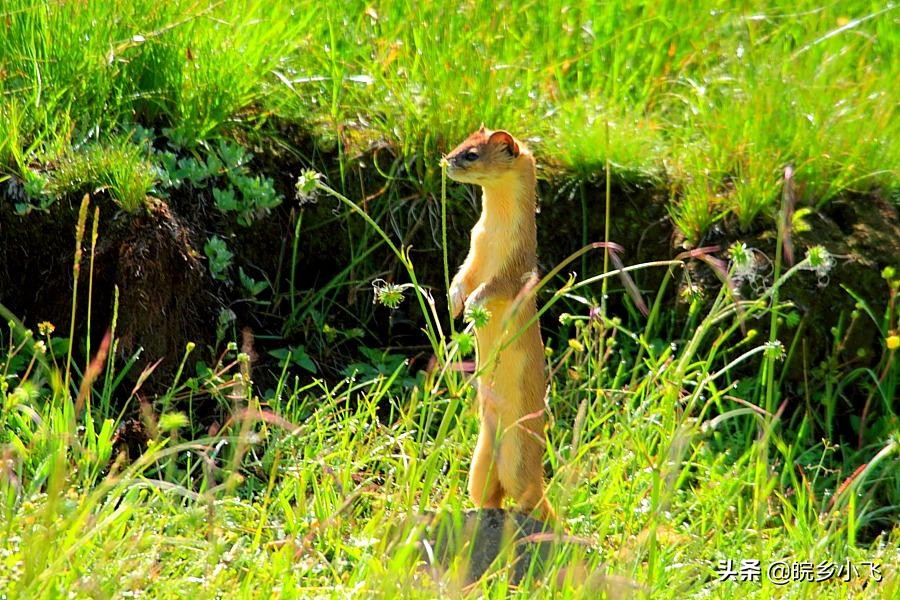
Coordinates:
[476,298]
[457,299]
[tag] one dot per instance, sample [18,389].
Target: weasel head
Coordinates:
[487,157]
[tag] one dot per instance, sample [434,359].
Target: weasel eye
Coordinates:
[470,156]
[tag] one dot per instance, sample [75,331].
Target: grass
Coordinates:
[708,100]
[673,445]
[119,167]
[664,457]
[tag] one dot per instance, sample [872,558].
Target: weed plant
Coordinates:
[663,459]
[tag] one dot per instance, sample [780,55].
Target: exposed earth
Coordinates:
[167,296]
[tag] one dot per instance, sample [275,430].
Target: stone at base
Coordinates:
[476,538]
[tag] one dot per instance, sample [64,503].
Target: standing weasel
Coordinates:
[502,259]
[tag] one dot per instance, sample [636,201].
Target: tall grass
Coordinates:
[665,464]
[669,452]
[714,100]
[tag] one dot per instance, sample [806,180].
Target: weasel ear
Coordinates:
[503,137]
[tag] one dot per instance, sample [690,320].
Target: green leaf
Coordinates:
[225,199]
[295,355]
[253,287]
[219,256]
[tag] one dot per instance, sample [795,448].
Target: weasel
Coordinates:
[502,258]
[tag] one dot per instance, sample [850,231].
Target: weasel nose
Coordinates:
[455,161]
